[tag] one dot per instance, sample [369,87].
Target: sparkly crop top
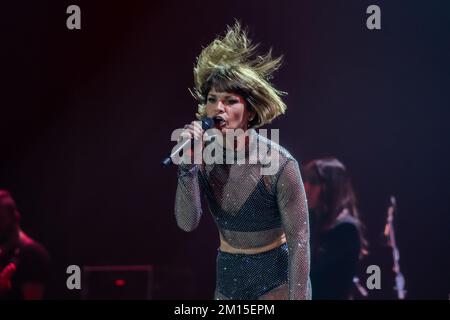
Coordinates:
[252,210]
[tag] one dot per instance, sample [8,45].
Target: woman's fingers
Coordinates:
[196,129]
[192,131]
[186,134]
[196,126]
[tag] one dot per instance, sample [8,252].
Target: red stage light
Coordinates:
[120,282]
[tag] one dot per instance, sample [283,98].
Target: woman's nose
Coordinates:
[220,106]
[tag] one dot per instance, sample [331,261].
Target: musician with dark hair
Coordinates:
[337,239]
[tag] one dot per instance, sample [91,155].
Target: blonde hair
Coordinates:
[230,64]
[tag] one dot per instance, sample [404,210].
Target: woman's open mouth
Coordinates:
[219,122]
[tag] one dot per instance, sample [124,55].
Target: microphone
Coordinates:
[207,123]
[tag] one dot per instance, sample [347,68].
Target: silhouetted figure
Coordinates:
[24,263]
[337,241]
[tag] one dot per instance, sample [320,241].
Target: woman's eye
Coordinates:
[211,100]
[232,101]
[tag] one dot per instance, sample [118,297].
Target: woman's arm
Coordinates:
[292,204]
[188,207]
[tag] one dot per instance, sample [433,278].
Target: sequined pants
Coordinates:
[250,276]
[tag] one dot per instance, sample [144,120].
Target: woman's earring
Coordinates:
[248,123]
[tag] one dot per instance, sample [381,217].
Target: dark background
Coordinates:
[86,116]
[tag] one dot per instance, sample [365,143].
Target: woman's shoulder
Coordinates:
[275,148]
[346,224]
[31,247]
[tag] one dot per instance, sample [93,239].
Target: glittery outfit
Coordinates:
[252,210]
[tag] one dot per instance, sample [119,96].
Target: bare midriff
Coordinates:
[226,247]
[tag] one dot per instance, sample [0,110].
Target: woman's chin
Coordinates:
[224,129]
[232,130]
